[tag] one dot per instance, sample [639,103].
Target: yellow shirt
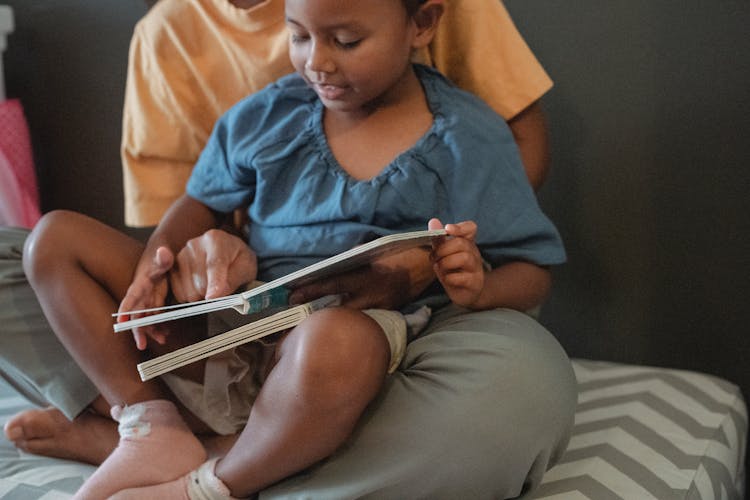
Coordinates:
[190,60]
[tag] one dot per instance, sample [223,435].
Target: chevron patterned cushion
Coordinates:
[640,433]
[651,433]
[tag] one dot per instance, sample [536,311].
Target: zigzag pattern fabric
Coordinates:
[651,433]
[30,477]
[640,433]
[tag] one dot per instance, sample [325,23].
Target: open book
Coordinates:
[271,294]
[286,318]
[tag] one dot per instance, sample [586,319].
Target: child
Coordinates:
[359,143]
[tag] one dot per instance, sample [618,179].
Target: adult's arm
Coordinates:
[529,127]
[479,48]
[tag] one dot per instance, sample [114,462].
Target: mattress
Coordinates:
[640,433]
[651,433]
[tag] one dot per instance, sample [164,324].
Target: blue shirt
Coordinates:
[270,151]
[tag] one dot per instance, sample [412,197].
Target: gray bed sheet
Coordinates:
[640,433]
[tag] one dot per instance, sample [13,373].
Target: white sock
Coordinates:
[200,484]
[155,446]
[204,485]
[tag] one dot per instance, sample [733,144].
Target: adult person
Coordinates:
[181,78]
[323,159]
[191,60]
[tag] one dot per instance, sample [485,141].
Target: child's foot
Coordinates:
[88,438]
[200,484]
[156,446]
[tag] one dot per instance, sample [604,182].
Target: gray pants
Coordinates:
[480,407]
[32,359]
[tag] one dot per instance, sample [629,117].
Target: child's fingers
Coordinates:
[458,280]
[434,224]
[125,306]
[466,229]
[140,339]
[459,261]
[162,263]
[135,298]
[142,334]
[451,246]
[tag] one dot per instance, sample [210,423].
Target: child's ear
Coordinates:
[426,20]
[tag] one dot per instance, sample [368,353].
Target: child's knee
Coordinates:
[341,351]
[45,243]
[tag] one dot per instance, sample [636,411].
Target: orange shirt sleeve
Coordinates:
[479,48]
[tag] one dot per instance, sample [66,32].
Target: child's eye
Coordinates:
[296,38]
[347,44]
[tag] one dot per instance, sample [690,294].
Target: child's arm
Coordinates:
[459,267]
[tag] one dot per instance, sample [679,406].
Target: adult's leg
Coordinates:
[481,406]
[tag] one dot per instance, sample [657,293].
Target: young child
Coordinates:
[359,143]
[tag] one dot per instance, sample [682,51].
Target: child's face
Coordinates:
[353,53]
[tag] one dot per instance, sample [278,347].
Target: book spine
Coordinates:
[276,297]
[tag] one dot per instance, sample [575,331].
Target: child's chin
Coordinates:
[339,105]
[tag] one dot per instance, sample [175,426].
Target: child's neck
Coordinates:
[367,141]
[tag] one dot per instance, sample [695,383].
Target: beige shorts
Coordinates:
[233,378]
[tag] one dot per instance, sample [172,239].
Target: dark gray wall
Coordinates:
[651,144]
[67,61]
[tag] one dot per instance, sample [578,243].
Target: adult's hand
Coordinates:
[212,265]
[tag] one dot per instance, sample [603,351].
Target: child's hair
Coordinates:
[412,6]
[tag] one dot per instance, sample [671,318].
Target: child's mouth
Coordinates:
[329,92]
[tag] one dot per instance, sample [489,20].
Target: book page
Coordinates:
[345,261]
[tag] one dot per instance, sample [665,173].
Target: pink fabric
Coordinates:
[19,198]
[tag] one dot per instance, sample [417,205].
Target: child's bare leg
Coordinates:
[80,270]
[327,370]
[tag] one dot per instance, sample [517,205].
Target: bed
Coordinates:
[640,433]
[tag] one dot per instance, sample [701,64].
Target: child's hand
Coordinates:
[148,290]
[458,263]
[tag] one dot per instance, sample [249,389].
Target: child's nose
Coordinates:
[319,59]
